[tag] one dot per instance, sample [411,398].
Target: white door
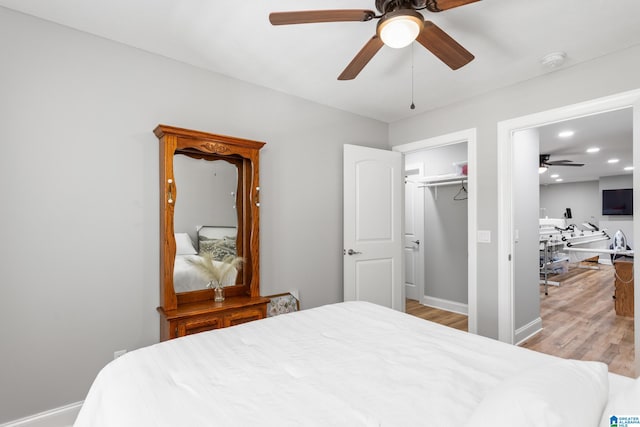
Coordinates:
[413,234]
[373,239]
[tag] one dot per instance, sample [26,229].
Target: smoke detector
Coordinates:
[553,60]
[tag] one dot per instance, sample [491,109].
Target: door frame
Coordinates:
[506,129]
[469,136]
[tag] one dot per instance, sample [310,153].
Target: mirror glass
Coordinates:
[205,217]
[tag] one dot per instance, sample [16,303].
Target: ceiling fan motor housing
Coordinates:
[386,6]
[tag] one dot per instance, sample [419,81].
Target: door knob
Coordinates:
[352,252]
[417,242]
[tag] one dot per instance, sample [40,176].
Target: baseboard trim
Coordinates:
[528,330]
[63,416]
[443,304]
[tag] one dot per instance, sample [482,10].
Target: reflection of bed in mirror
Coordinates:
[218,241]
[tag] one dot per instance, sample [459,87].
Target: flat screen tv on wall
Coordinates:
[617,202]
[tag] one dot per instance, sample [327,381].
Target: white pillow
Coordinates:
[184,245]
[563,393]
[625,403]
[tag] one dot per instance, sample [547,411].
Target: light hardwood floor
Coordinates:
[448,318]
[578,319]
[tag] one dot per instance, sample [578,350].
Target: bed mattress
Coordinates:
[349,364]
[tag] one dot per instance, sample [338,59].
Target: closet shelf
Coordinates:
[432,181]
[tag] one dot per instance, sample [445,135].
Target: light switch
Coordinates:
[484,236]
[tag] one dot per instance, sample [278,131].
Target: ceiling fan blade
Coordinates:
[440,5]
[315,16]
[361,59]
[564,164]
[443,46]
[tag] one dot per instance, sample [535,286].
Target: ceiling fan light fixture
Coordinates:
[399,28]
[542,169]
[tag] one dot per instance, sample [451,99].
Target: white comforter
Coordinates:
[350,364]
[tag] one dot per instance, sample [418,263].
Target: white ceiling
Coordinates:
[235,38]
[508,39]
[612,132]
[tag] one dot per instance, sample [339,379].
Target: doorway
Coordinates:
[506,230]
[570,163]
[469,258]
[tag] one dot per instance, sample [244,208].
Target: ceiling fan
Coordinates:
[545,162]
[399,24]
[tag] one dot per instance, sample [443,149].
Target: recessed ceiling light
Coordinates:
[593,150]
[566,134]
[628,168]
[559,179]
[613,160]
[555,175]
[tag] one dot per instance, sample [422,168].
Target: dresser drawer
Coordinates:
[197,324]
[205,316]
[244,315]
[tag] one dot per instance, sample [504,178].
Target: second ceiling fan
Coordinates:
[399,24]
[545,162]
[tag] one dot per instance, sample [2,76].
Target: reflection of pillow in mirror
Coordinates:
[218,248]
[184,245]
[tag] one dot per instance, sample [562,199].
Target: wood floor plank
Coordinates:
[578,319]
[448,318]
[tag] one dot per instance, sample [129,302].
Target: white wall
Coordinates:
[608,75]
[526,288]
[582,197]
[80,201]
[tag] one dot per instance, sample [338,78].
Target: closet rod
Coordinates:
[440,184]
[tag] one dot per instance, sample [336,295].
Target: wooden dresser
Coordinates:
[213,199]
[624,287]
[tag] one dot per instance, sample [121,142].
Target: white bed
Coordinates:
[350,364]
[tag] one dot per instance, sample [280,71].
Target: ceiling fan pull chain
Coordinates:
[413,106]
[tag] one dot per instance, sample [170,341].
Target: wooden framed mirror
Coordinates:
[209,194]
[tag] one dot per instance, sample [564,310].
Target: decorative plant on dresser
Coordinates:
[209,193]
